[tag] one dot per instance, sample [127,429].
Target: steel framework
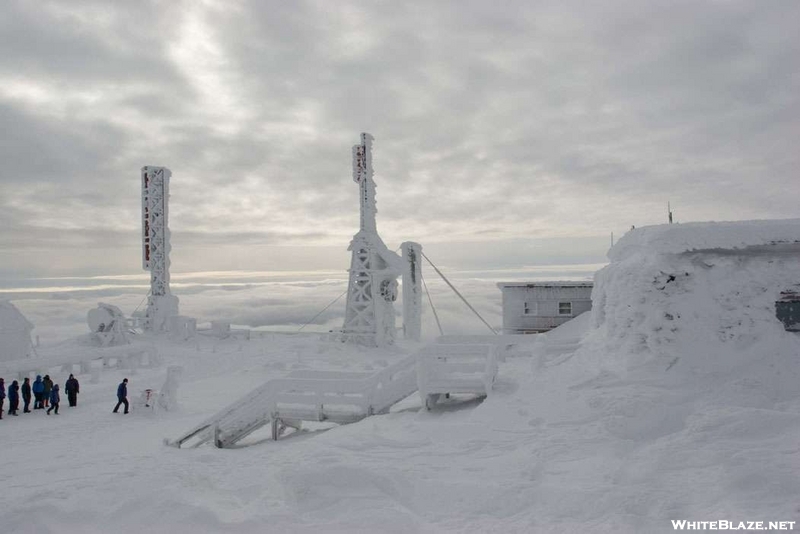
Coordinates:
[161,304]
[372,290]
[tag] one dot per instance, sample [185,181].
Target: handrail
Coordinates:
[260,405]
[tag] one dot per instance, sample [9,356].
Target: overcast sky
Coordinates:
[507,133]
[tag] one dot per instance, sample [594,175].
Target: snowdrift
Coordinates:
[700,299]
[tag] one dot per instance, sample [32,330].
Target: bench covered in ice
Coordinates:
[460,368]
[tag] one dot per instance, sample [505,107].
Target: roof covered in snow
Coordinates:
[697,236]
[11,319]
[504,285]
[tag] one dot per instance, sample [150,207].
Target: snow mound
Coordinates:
[700,300]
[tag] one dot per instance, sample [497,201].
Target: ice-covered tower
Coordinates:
[369,317]
[161,304]
[412,290]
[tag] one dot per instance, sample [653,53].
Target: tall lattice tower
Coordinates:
[369,317]
[161,304]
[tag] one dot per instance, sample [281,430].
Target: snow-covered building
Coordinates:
[530,308]
[15,333]
[711,288]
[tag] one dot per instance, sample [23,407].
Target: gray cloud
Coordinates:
[494,123]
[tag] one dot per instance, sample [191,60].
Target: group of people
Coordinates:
[46,394]
[43,391]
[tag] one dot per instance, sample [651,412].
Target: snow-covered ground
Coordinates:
[678,400]
[563,445]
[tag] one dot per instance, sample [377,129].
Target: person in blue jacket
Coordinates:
[122,395]
[38,393]
[2,396]
[13,398]
[55,398]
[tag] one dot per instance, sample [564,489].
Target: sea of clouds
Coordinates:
[276,300]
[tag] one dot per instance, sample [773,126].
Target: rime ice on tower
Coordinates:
[412,290]
[369,317]
[161,304]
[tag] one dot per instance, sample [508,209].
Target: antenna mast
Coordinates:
[372,290]
[161,304]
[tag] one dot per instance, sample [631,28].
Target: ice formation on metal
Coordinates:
[372,290]
[161,304]
[412,290]
[108,325]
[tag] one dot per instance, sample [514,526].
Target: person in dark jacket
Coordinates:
[38,393]
[26,395]
[72,388]
[122,395]
[13,398]
[48,386]
[55,398]
[2,396]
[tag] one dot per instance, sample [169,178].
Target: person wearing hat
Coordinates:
[38,393]
[122,395]
[55,399]
[13,398]
[26,395]
[48,386]
[72,388]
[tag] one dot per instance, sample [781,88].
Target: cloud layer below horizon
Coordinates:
[278,302]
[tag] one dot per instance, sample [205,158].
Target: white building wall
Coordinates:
[538,307]
[15,333]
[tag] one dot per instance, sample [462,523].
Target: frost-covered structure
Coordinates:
[15,333]
[372,290]
[412,290]
[164,399]
[161,304]
[683,294]
[107,324]
[168,394]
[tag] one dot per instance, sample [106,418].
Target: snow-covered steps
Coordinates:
[339,397]
[460,368]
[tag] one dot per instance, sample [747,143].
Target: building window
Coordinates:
[529,308]
[565,308]
[787,309]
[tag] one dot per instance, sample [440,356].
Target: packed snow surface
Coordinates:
[564,444]
[678,399]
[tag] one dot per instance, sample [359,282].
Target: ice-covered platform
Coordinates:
[338,397]
[346,397]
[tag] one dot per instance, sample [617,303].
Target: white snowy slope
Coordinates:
[677,400]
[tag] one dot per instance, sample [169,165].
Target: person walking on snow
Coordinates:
[38,393]
[26,395]
[2,396]
[122,395]
[54,399]
[13,398]
[48,386]
[72,388]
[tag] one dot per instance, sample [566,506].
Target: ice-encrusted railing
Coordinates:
[319,396]
[444,369]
